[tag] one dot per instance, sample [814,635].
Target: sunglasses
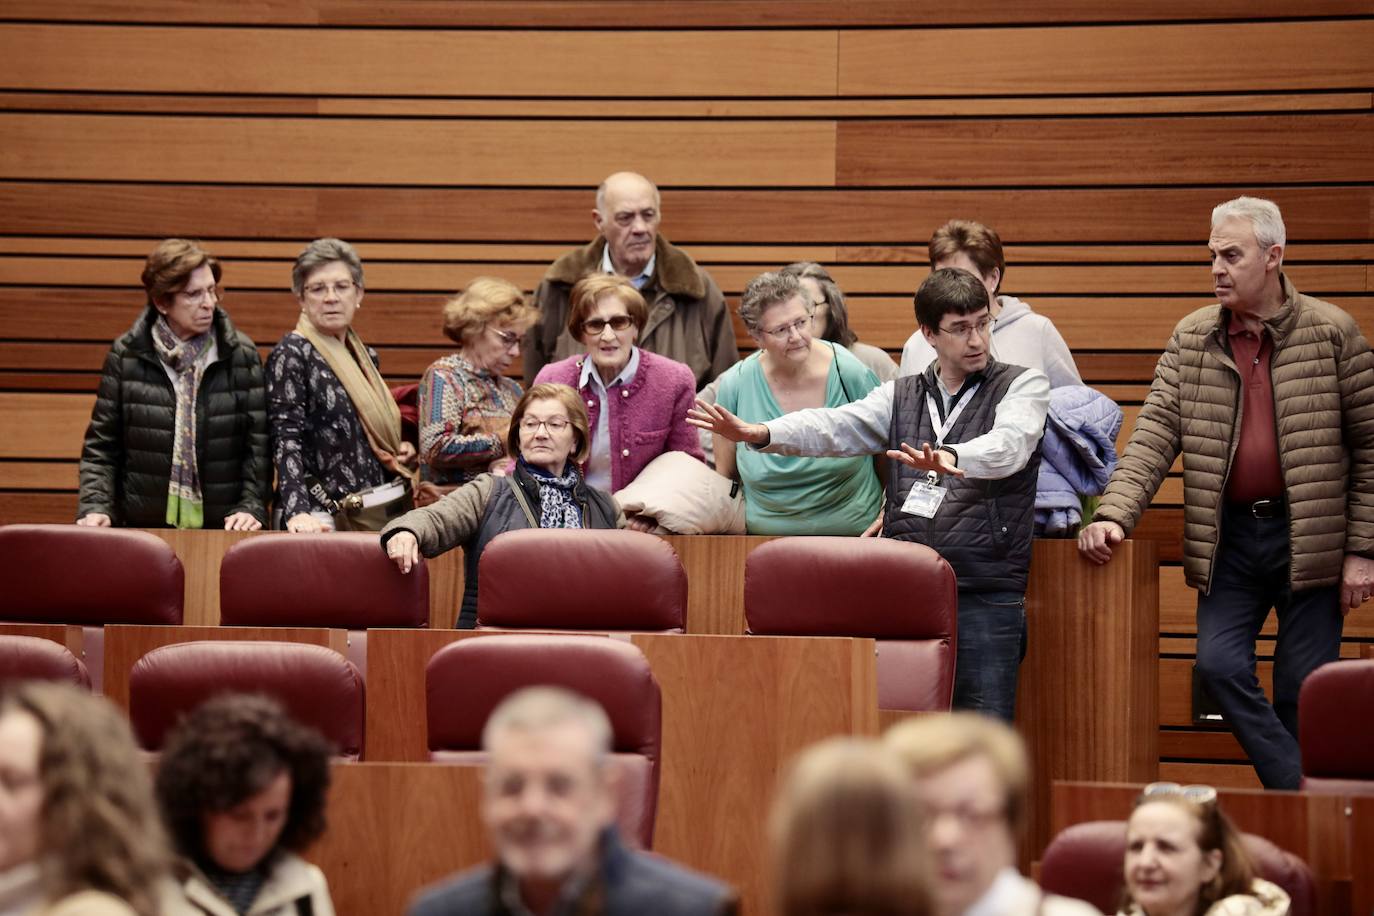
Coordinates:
[597,325]
[1197,794]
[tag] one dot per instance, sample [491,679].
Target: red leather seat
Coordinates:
[340,579]
[899,593]
[318,686]
[466,680]
[1086,861]
[70,574]
[1335,707]
[586,579]
[25,658]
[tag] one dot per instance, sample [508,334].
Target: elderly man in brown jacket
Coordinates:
[688,318]
[1269,396]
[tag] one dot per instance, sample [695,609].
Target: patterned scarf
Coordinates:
[557,506]
[186,358]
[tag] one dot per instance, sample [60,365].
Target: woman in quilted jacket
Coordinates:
[178,436]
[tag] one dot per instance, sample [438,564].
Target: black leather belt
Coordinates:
[1261,508]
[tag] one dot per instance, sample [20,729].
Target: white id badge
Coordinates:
[924,499]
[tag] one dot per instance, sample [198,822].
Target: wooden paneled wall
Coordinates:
[458,139]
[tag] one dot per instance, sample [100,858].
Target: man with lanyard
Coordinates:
[968,491]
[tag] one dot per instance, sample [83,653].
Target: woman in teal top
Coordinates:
[786,494]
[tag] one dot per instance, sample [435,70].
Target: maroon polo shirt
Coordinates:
[1255,472]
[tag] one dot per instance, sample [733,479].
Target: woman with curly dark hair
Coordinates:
[242,788]
[79,832]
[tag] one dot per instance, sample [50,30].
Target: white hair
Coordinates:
[538,708]
[1263,215]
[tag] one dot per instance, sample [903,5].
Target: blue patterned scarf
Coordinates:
[557,505]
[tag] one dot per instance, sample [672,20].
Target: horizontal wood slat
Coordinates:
[417,62]
[662,14]
[1106,151]
[786,216]
[346,106]
[349,151]
[1107,59]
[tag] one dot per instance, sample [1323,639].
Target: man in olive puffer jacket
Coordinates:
[1269,397]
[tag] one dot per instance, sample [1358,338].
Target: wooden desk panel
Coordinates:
[396,827]
[70,636]
[735,709]
[125,645]
[1088,705]
[1362,855]
[1309,825]
[200,553]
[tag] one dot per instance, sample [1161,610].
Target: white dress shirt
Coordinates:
[861,428]
[643,277]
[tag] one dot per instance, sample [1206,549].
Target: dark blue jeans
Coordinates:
[991,644]
[1250,575]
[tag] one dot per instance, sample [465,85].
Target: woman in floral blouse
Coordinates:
[465,399]
[335,427]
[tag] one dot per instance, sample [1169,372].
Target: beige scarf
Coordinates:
[376,408]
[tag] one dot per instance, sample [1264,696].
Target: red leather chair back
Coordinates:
[341,579]
[899,593]
[28,658]
[1335,708]
[586,579]
[1085,861]
[316,685]
[466,680]
[75,575]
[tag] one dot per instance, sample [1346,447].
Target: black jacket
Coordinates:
[628,883]
[984,527]
[126,463]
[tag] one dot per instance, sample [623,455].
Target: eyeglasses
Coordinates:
[509,339]
[198,296]
[966,330]
[968,818]
[798,327]
[595,326]
[1197,794]
[320,290]
[552,424]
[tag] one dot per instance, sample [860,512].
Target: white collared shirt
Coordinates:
[599,461]
[861,428]
[639,281]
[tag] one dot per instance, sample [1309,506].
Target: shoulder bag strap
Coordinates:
[844,389]
[522,500]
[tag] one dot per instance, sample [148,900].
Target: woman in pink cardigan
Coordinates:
[637,401]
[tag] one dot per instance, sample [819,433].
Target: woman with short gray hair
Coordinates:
[786,494]
[336,429]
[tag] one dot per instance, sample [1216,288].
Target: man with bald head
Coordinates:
[688,318]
